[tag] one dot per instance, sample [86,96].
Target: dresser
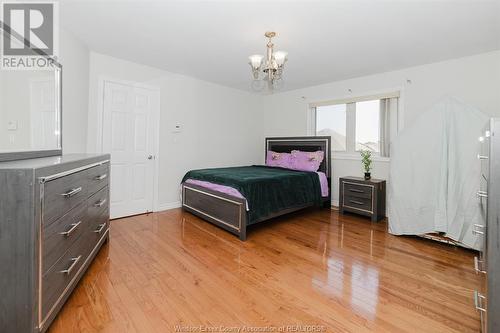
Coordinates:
[487,263]
[360,196]
[54,218]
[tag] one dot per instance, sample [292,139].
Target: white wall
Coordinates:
[221,126]
[475,80]
[74,56]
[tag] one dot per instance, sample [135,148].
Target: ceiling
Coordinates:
[326,40]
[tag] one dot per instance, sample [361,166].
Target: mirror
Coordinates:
[30,113]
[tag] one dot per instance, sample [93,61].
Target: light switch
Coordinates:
[12,125]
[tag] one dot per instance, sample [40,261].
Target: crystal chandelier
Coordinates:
[269,70]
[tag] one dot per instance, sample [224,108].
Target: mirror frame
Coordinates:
[22,155]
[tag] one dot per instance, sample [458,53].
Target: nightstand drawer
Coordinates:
[358,190]
[358,203]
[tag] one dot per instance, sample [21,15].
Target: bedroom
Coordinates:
[142,95]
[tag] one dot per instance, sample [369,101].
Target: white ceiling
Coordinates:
[326,40]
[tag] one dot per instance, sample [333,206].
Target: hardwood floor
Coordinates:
[312,268]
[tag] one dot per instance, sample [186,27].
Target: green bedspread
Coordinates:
[267,190]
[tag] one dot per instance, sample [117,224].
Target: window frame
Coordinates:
[315,127]
[355,132]
[350,129]
[351,153]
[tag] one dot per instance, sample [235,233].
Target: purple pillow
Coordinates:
[282,160]
[306,160]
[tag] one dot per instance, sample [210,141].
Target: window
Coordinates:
[368,126]
[331,121]
[365,124]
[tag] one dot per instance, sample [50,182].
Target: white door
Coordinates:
[129,134]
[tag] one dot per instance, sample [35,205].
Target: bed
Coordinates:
[215,195]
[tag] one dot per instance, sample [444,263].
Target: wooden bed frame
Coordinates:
[229,212]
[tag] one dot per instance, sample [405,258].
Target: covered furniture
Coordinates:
[435,174]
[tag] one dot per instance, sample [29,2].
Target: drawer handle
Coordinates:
[101,228]
[478,301]
[482,194]
[100,203]
[477,263]
[74,226]
[356,202]
[356,190]
[101,177]
[478,229]
[482,157]
[72,192]
[72,266]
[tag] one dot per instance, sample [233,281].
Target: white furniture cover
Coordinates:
[435,173]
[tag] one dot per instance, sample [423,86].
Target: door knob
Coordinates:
[150,157]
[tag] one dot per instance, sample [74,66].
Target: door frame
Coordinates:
[156,124]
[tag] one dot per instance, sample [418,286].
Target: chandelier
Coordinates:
[269,70]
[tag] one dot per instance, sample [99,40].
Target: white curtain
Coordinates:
[388,124]
[434,173]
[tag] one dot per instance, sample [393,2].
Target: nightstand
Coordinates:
[360,196]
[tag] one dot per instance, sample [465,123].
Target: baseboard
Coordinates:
[335,203]
[167,206]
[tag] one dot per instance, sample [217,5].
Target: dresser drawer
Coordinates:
[97,178]
[61,234]
[98,215]
[97,204]
[357,190]
[485,169]
[62,194]
[364,204]
[483,210]
[59,276]
[483,183]
[96,229]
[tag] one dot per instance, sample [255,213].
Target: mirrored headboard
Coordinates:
[30,111]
